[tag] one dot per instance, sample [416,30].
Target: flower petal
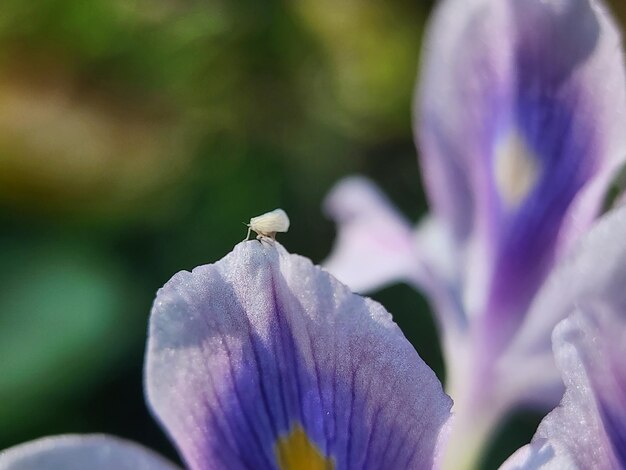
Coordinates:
[525,373]
[540,455]
[374,245]
[262,359]
[76,452]
[515,134]
[594,271]
[588,429]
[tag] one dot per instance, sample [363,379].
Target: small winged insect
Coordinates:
[266,226]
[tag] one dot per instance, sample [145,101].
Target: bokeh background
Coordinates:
[137,135]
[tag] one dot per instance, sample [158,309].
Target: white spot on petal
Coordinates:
[515,169]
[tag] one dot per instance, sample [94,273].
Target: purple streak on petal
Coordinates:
[594,271]
[604,363]
[79,452]
[553,111]
[616,430]
[241,351]
[527,237]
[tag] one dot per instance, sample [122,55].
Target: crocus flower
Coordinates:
[588,429]
[264,361]
[520,118]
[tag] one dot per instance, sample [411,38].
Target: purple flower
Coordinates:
[264,361]
[520,118]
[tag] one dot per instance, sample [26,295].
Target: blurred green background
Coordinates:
[137,135]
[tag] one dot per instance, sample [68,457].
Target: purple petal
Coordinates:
[595,271]
[374,244]
[245,352]
[588,429]
[75,452]
[525,372]
[517,136]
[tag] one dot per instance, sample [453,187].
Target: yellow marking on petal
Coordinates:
[516,170]
[296,452]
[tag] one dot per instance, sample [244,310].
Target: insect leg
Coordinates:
[248,234]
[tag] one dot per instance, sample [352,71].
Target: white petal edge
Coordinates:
[540,455]
[81,452]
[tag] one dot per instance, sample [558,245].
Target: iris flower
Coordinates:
[520,122]
[264,361]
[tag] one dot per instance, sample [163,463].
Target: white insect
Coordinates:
[267,225]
